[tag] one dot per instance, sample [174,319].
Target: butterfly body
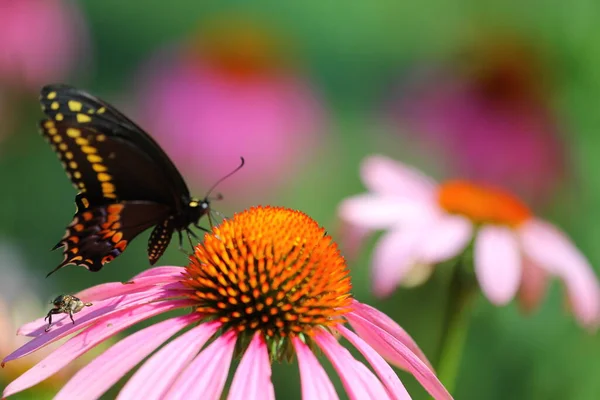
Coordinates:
[126,182]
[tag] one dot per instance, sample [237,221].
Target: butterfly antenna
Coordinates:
[219,196]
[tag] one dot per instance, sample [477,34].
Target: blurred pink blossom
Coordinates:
[312,310]
[230,97]
[429,223]
[489,118]
[41,41]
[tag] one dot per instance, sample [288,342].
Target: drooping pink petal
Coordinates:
[551,249]
[252,380]
[386,176]
[154,378]
[358,380]
[395,388]
[105,370]
[534,283]
[393,258]
[397,353]
[373,211]
[444,239]
[384,322]
[85,317]
[160,271]
[205,377]
[497,263]
[315,382]
[112,289]
[86,340]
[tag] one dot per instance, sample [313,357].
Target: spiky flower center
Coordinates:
[482,204]
[272,270]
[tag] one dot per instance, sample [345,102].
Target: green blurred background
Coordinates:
[353,54]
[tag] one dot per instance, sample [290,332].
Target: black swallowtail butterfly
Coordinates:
[126,182]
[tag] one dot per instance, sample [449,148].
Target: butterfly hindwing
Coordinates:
[159,240]
[99,234]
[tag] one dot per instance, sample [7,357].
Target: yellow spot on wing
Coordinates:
[73,165]
[52,131]
[69,155]
[104,177]
[73,132]
[107,188]
[59,117]
[81,118]
[63,146]
[57,139]
[81,141]
[49,124]
[77,175]
[85,202]
[93,158]
[54,105]
[99,167]
[51,96]
[88,149]
[75,105]
[101,138]
[101,110]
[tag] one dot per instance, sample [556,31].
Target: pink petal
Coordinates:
[84,318]
[86,340]
[160,271]
[386,176]
[112,289]
[384,322]
[154,378]
[534,283]
[358,380]
[402,356]
[394,387]
[252,380]
[551,249]
[315,382]
[205,377]
[106,369]
[393,258]
[497,263]
[373,211]
[444,239]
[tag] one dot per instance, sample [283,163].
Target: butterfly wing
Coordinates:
[159,240]
[77,109]
[98,234]
[108,169]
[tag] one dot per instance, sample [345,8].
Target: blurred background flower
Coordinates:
[488,114]
[42,41]
[232,90]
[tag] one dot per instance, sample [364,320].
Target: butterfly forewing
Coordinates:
[77,108]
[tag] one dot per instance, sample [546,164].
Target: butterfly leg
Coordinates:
[202,228]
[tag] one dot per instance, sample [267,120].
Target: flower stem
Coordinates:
[455,325]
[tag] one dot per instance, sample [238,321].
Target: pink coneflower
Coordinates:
[264,286]
[428,223]
[493,104]
[41,40]
[232,94]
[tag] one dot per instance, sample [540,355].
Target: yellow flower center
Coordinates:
[482,204]
[272,270]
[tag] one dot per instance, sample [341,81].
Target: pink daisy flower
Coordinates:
[428,223]
[41,40]
[265,285]
[492,104]
[232,96]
